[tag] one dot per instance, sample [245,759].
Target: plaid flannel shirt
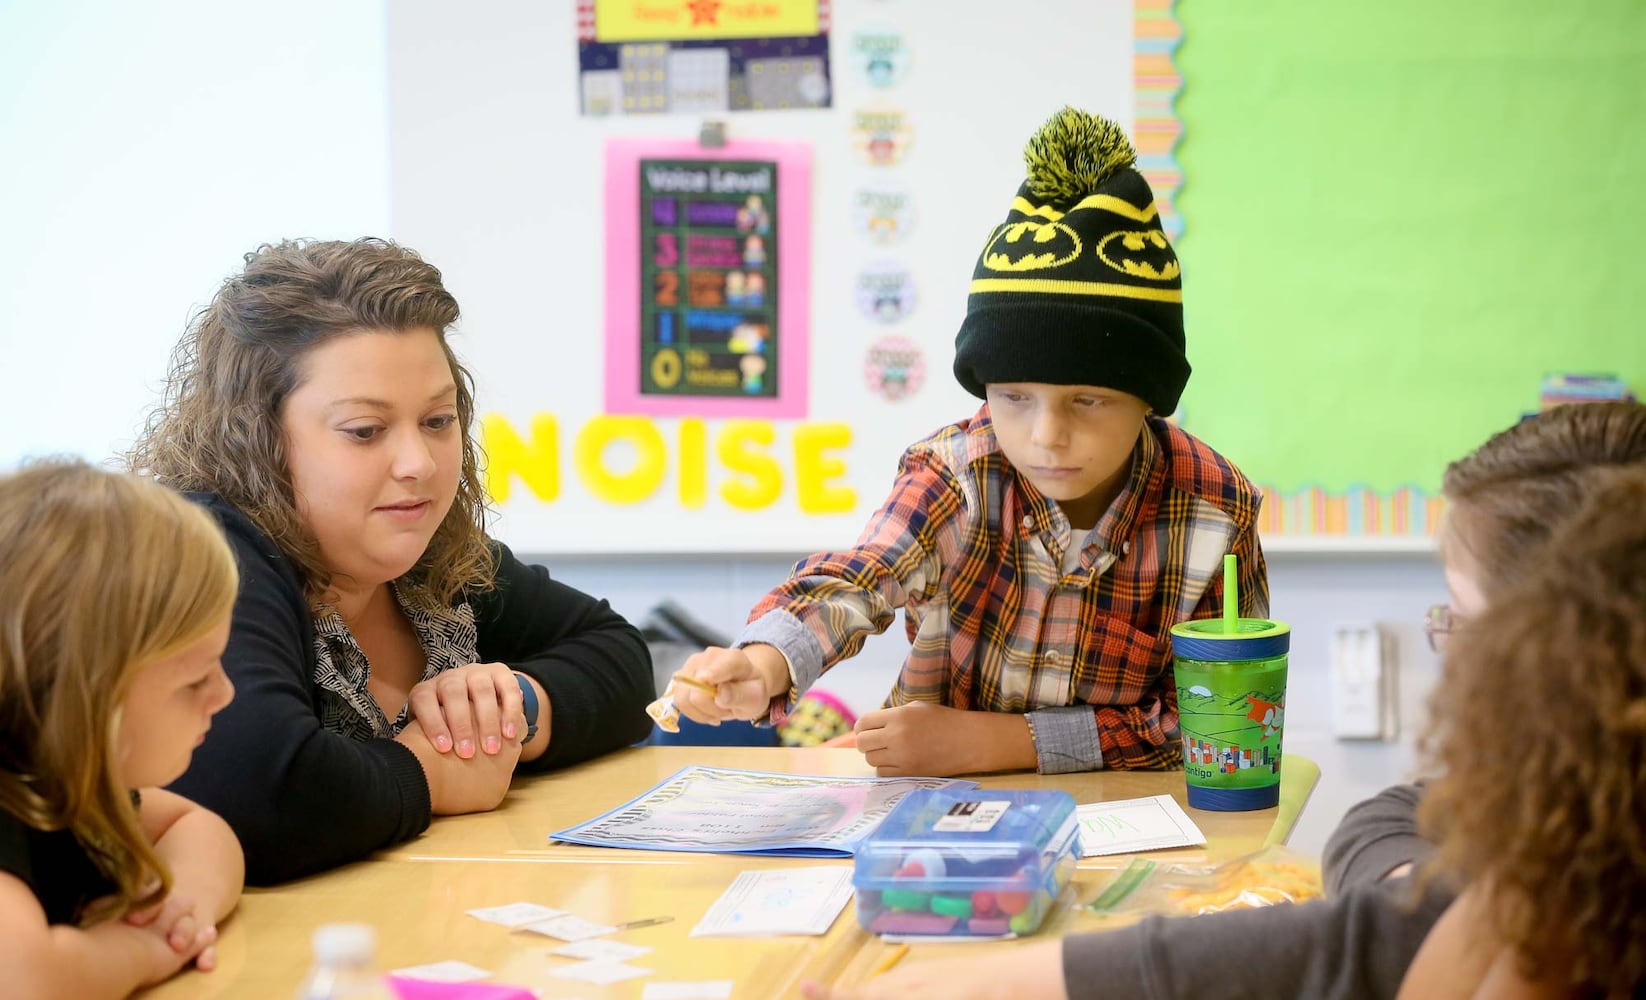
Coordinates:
[973,555]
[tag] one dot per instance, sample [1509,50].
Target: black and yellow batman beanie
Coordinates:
[1079,285]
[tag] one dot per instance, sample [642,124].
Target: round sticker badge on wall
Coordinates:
[880,55]
[883,212]
[881,135]
[894,368]
[885,291]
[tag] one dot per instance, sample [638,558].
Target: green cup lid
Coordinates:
[1212,629]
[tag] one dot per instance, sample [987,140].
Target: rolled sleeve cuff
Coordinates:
[801,650]
[1066,739]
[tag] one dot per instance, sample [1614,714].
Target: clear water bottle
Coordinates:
[345,966]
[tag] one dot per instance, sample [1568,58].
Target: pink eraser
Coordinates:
[894,922]
[428,989]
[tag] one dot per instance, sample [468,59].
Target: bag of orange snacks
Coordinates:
[1272,875]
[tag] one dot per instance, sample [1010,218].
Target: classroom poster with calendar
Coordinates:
[707,273]
[639,57]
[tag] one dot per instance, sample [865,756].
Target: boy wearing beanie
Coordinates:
[1043,548]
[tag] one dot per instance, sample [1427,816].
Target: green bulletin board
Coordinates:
[1397,218]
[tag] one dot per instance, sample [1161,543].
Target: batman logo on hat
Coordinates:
[1141,254]
[1031,246]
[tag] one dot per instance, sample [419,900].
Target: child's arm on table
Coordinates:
[1134,737]
[921,738]
[208,873]
[47,961]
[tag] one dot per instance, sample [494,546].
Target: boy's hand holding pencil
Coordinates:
[719,684]
[693,682]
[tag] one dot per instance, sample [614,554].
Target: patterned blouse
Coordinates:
[341,670]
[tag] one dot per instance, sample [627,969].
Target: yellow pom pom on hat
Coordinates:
[1079,286]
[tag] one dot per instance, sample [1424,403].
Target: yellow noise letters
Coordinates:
[742,448]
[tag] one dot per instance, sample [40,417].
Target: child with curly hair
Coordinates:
[1540,737]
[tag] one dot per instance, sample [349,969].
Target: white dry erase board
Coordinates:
[501,181]
[1341,373]
[459,132]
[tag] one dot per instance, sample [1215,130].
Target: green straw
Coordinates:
[1231,595]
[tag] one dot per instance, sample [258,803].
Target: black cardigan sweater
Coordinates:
[303,799]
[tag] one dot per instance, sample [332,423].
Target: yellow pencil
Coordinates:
[890,959]
[709,689]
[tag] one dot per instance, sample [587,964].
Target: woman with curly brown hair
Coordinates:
[316,408]
[1506,498]
[1539,734]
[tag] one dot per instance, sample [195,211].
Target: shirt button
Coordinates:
[1028,521]
[1052,658]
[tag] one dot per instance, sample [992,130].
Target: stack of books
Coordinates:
[1561,388]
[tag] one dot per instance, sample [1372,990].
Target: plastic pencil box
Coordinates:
[966,863]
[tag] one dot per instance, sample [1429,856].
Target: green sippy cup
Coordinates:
[1231,703]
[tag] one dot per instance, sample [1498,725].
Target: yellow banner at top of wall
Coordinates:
[694,20]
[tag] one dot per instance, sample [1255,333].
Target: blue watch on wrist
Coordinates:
[529,704]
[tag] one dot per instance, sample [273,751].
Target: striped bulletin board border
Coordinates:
[1356,513]
[1311,511]
[1156,82]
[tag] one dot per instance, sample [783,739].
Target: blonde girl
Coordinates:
[115,597]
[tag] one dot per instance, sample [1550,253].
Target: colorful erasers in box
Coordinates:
[966,863]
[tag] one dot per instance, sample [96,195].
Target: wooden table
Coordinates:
[538,806]
[416,894]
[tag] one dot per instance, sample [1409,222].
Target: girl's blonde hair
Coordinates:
[101,574]
[1540,736]
[218,427]
[1507,495]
